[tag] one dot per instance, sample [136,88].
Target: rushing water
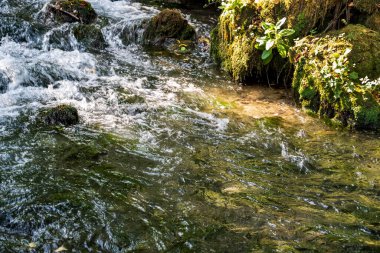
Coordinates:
[168,157]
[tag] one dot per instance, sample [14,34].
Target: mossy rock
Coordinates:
[61,115]
[168,24]
[72,11]
[89,36]
[329,72]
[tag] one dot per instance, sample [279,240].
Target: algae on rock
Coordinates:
[330,76]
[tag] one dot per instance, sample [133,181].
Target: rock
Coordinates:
[4,81]
[61,115]
[329,76]
[72,11]
[168,24]
[89,36]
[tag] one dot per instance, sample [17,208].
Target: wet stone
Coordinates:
[4,81]
[89,36]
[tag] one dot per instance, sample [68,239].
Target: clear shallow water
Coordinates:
[168,155]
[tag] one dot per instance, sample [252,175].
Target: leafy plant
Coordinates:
[274,38]
[230,7]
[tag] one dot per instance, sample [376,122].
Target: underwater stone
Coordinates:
[72,11]
[61,115]
[168,24]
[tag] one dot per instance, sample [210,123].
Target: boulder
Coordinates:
[61,115]
[72,11]
[337,76]
[168,24]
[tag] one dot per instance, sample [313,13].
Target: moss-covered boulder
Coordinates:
[337,76]
[168,24]
[61,115]
[90,36]
[72,11]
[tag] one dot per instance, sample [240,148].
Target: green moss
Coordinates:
[73,11]
[168,24]
[234,39]
[239,27]
[325,78]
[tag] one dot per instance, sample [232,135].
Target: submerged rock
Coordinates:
[168,24]
[61,115]
[337,76]
[72,11]
[89,36]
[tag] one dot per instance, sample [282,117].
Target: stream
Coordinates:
[169,155]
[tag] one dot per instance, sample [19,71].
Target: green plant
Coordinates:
[337,75]
[229,7]
[274,38]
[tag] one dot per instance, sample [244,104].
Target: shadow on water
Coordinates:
[169,157]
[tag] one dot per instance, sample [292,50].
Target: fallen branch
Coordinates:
[56,8]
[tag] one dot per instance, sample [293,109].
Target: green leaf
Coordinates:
[268,60]
[262,41]
[266,54]
[286,32]
[266,26]
[282,50]
[354,76]
[269,44]
[280,23]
